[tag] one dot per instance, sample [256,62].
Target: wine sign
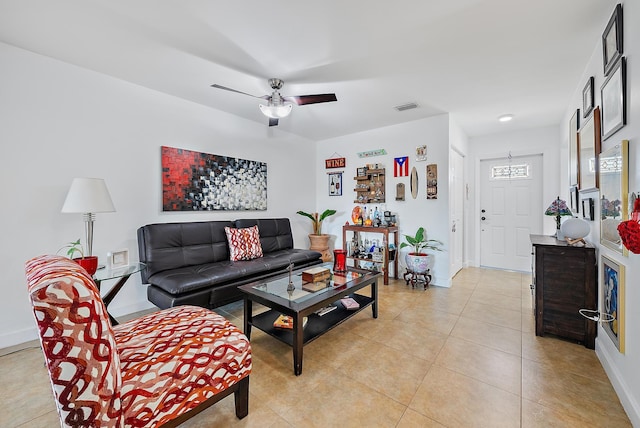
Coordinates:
[335,163]
[335,183]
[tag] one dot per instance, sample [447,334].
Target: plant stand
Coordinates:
[417,279]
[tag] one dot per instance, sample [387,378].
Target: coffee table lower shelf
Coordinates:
[316,325]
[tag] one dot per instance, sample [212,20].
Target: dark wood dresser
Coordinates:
[564,281]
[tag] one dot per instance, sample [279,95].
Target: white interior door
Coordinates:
[510,201]
[456,240]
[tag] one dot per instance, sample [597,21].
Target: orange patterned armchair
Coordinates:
[156,370]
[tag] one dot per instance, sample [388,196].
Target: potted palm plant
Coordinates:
[89,263]
[319,241]
[417,260]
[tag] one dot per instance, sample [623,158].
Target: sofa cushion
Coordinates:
[244,244]
[275,233]
[165,246]
[191,278]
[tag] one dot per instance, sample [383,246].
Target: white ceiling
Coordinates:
[476,59]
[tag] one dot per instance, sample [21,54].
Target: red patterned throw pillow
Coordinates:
[244,244]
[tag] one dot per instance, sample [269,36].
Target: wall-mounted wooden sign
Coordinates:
[432,181]
[370,153]
[335,163]
[400,192]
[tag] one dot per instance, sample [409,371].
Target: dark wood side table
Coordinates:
[565,281]
[122,274]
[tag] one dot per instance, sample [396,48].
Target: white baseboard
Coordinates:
[629,402]
[18,337]
[441,281]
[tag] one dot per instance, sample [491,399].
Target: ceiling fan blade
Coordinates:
[311,99]
[273,122]
[239,92]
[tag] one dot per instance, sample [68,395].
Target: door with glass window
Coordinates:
[510,197]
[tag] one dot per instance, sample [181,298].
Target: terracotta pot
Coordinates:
[418,262]
[320,243]
[89,263]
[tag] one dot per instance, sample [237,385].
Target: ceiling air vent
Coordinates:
[407,106]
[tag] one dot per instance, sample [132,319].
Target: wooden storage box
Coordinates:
[316,274]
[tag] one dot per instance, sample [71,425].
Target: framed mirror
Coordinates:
[614,187]
[588,150]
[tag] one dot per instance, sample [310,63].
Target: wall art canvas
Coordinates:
[421,153]
[194,181]
[613,301]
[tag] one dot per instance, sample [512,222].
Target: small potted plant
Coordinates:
[89,263]
[319,241]
[417,260]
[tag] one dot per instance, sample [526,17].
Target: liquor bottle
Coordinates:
[332,187]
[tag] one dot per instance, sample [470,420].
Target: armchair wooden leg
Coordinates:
[241,396]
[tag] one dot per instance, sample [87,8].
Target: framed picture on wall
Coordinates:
[574,126]
[612,40]
[612,286]
[588,209]
[575,200]
[587,98]
[614,99]
[588,150]
[335,184]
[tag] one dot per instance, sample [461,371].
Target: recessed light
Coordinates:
[505,117]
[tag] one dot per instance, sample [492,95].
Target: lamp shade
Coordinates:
[88,195]
[276,111]
[558,207]
[575,228]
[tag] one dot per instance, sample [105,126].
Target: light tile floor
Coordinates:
[464,356]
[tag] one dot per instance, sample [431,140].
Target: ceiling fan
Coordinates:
[280,106]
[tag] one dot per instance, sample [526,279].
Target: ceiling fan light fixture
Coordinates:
[276,111]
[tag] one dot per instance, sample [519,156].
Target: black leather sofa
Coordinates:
[188,263]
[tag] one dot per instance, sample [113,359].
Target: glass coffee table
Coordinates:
[298,304]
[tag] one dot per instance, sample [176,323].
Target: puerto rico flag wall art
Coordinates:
[401,166]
